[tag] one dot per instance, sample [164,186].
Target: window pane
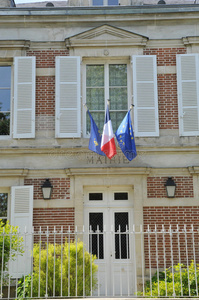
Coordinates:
[118,98]
[94,76]
[96,239]
[95,98]
[5,100]
[5,95]
[112,2]
[95,196]
[116,119]
[120,196]
[97,2]
[118,75]
[3,205]
[122,238]
[118,93]
[4,123]
[5,76]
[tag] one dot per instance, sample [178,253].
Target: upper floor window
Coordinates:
[5,97]
[105,2]
[18,120]
[103,79]
[4,207]
[106,81]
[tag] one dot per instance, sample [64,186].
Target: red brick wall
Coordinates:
[61,187]
[59,217]
[174,243]
[167,101]
[167,87]
[62,218]
[156,187]
[45,95]
[45,88]
[165,56]
[46,58]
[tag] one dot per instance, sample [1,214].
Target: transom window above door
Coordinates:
[105,2]
[103,82]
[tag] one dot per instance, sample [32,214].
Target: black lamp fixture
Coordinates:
[47,189]
[170,187]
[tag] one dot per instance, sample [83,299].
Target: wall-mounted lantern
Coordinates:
[170,188]
[47,189]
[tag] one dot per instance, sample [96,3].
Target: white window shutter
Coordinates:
[188,94]
[24,97]
[68,110]
[146,122]
[22,216]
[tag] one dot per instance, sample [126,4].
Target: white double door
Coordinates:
[108,220]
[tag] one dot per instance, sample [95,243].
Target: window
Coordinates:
[105,2]
[22,114]
[103,82]
[5,96]
[95,196]
[120,196]
[4,206]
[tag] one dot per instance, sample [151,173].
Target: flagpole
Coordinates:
[132,106]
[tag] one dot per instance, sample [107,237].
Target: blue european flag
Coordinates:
[125,137]
[95,137]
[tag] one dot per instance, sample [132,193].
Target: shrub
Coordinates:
[177,283]
[61,272]
[11,244]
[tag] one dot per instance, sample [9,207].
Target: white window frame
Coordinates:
[8,137]
[105,62]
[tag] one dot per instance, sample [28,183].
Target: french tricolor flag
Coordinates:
[108,142]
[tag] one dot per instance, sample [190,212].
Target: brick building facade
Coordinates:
[55,61]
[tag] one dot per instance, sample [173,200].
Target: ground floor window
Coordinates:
[4,207]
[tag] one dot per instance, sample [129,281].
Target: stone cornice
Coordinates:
[193,170]
[190,40]
[107,171]
[14,44]
[47,45]
[13,172]
[55,16]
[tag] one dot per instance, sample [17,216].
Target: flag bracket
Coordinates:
[85,106]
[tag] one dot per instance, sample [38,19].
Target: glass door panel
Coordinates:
[121,235]
[96,238]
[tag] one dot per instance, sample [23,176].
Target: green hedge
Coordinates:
[179,282]
[63,272]
[11,244]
